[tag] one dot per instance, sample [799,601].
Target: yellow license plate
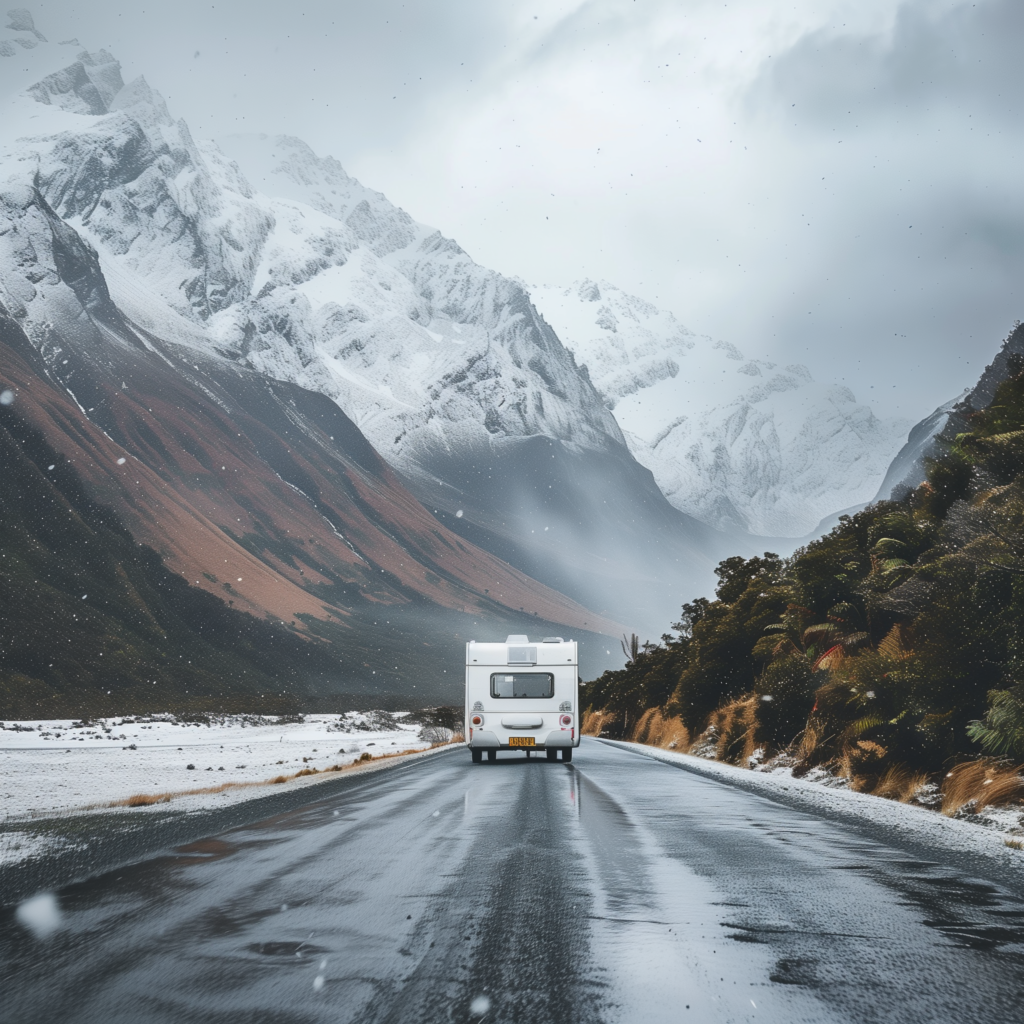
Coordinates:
[521,741]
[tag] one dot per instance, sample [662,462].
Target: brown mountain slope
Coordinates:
[259,491]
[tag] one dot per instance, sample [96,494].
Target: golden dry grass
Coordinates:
[594,722]
[900,783]
[985,783]
[149,799]
[863,764]
[810,740]
[735,724]
[658,730]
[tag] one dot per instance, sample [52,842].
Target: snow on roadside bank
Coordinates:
[55,768]
[907,822]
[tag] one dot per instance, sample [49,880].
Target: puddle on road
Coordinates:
[972,913]
[203,851]
[288,950]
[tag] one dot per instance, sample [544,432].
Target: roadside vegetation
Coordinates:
[889,652]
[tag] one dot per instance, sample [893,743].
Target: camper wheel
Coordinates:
[567,753]
[475,754]
[552,753]
[492,755]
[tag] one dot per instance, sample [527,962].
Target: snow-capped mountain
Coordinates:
[257,489]
[728,439]
[323,282]
[256,253]
[260,255]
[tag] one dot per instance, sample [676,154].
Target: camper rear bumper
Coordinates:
[557,738]
[484,740]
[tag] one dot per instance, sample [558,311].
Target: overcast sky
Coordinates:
[837,183]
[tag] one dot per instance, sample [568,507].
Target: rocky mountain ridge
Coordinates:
[934,432]
[728,439]
[443,365]
[253,488]
[256,254]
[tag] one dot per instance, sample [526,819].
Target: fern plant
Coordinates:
[1001,731]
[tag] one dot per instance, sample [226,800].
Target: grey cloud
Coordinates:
[908,173]
[363,71]
[965,56]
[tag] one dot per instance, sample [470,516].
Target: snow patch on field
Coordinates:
[54,768]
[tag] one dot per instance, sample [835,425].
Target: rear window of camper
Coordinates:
[522,684]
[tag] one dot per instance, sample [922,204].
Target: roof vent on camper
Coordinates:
[552,640]
[522,655]
[517,638]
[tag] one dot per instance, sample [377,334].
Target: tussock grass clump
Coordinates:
[595,721]
[656,729]
[809,741]
[735,726]
[983,783]
[900,783]
[147,799]
[863,763]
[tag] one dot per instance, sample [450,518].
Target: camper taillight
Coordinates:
[477,720]
[566,720]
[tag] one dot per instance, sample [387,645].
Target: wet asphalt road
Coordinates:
[614,888]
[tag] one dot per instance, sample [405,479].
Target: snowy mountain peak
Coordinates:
[86,87]
[268,254]
[286,168]
[728,439]
[143,103]
[260,253]
[625,343]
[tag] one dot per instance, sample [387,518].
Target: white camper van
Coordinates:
[522,696]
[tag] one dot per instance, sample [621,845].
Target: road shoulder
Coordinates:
[927,834]
[50,853]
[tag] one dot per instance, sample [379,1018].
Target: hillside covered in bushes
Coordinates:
[890,649]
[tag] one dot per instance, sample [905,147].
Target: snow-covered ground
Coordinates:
[55,768]
[988,834]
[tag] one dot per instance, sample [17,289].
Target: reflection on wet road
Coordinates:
[614,888]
